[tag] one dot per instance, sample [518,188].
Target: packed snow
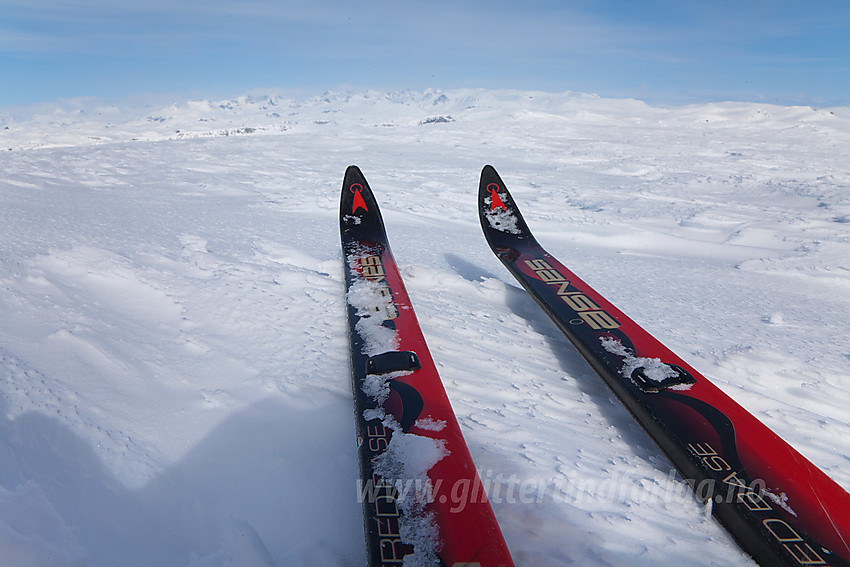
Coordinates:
[174,378]
[653,370]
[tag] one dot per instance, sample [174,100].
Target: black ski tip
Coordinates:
[356,198]
[490,182]
[489,175]
[359,216]
[500,218]
[353,173]
[353,176]
[489,170]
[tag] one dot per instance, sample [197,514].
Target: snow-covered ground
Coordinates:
[174,379]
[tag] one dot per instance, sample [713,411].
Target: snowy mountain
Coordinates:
[174,377]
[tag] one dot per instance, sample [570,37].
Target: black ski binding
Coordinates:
[393,361]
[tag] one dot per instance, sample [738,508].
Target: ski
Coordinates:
[423,502]
[778,506]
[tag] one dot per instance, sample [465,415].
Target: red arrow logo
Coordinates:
[358,203]
[495,200]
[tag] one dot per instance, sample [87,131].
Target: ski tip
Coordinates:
[356,196]
[353,175]
[489,175]
[490,182]
[356,193]
[496,208]
[357,205]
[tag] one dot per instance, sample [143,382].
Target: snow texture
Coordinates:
[174,369]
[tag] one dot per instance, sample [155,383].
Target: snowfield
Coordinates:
[174,378]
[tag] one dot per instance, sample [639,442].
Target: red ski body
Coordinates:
[780,507]
[442,515]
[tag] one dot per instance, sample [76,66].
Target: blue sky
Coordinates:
[664,52]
